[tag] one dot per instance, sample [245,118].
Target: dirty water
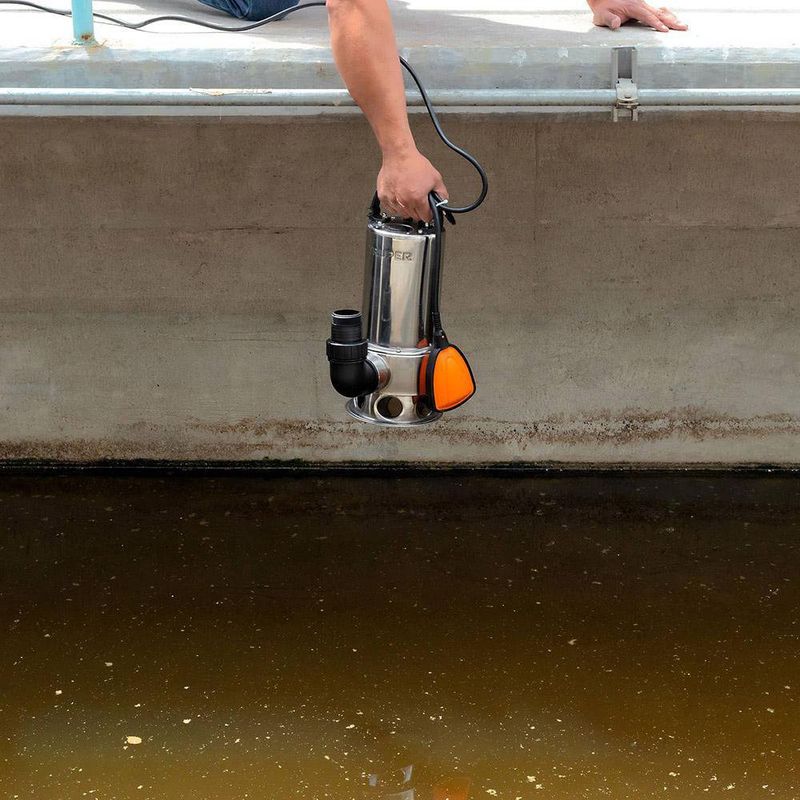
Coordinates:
[216,638]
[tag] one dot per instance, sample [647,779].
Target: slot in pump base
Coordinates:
[404,421]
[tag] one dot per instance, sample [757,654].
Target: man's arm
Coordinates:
[362,37]
[364,47]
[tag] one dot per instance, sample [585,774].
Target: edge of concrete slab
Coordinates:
[386,468]
[515,45]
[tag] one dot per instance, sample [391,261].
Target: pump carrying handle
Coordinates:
[375,207]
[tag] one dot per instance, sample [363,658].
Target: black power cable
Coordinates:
[454,147]
[137,26]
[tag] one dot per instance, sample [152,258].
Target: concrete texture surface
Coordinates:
[628,294]
[461,44]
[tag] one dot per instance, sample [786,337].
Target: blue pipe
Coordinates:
[82,21]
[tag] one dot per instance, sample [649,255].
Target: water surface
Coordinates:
[621,637]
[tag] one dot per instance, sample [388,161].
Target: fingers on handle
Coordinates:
[413,208]
[389,205]
[422,211]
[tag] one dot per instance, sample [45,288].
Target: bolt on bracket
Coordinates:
[624,77]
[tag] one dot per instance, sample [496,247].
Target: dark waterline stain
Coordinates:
[276,637]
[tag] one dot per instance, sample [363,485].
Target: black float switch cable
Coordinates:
[136,26]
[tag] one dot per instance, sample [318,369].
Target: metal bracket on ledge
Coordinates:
[624,76]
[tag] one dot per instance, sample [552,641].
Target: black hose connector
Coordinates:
[352,374]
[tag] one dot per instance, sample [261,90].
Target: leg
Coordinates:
[251,9]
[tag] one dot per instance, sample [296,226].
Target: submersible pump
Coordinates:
[394,361]
[384,360]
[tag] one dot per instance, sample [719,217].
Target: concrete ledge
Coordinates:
[513,45]
[628,295]
[166,291]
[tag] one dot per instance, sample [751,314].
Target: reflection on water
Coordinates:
[427,638]
[400,786]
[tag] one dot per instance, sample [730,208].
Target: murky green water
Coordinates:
[224,638]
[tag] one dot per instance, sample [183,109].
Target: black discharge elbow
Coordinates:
[352,374]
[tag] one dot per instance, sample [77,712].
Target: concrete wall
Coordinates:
[629,294]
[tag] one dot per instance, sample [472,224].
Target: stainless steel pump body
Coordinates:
[396,309]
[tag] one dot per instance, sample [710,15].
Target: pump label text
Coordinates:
[397,255]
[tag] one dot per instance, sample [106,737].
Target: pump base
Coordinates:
[365,409]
